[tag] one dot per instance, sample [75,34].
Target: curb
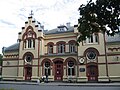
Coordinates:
[66,84]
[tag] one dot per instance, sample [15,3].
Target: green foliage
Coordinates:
[1,59]
[102,15]
[7,89]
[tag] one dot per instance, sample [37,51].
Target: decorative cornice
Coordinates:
[112,49]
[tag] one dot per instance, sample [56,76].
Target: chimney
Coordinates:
[68,24]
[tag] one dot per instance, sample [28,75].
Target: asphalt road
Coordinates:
[55,87]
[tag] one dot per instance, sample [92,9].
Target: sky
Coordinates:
[50,13]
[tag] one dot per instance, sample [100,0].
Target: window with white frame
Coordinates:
[29,39]
[61,48]
[29,43]
[93,39]
[28,58]
[47,68]
[71,68]
[91,55]
[72,47]
[50,49]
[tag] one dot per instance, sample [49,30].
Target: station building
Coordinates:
[40,52]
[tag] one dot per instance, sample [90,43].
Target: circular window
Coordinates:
[70,63]
[91,55]
[47,64]
[28,58]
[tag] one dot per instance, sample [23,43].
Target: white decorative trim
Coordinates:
[81,60]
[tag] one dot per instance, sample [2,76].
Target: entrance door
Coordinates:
[28,73]
[58,71]
[92,73]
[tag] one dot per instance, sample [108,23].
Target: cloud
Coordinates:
[9,24]
[49,13]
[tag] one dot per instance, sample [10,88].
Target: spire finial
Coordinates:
[31,14]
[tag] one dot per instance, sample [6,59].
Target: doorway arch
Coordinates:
[58,69]
[92,72]
[28,72]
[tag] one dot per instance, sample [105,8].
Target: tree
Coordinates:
[102,15]
[1,59]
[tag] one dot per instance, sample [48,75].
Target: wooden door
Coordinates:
[92,73]
[28,73]
[58,71]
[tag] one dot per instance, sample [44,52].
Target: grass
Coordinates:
[6,89]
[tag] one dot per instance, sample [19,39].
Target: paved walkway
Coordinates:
[61,83]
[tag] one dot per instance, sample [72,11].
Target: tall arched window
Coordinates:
[93,39]
[50,47]
[47,68]
[29,38]
[61,47]
[29,43]
[72,46]
[71,68]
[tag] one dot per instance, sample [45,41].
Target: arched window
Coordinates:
[72,46]
[28,56]
[29,38]
[93,39]
[71,68]
[50,49]
[29,43]
[61,47]
[47,68]
[91,55]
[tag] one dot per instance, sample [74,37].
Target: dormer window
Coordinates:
[62,28]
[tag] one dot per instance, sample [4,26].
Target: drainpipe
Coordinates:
[77,62]
[38,55]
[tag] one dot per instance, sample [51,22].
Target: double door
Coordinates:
[92,73]
[28,73]
[58,71]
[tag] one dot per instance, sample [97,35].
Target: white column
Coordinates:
[26,43]
[32,43]
[67,48]
[54,49]
[93,38]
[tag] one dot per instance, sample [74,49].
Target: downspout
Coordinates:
[77,63]
[38,55]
